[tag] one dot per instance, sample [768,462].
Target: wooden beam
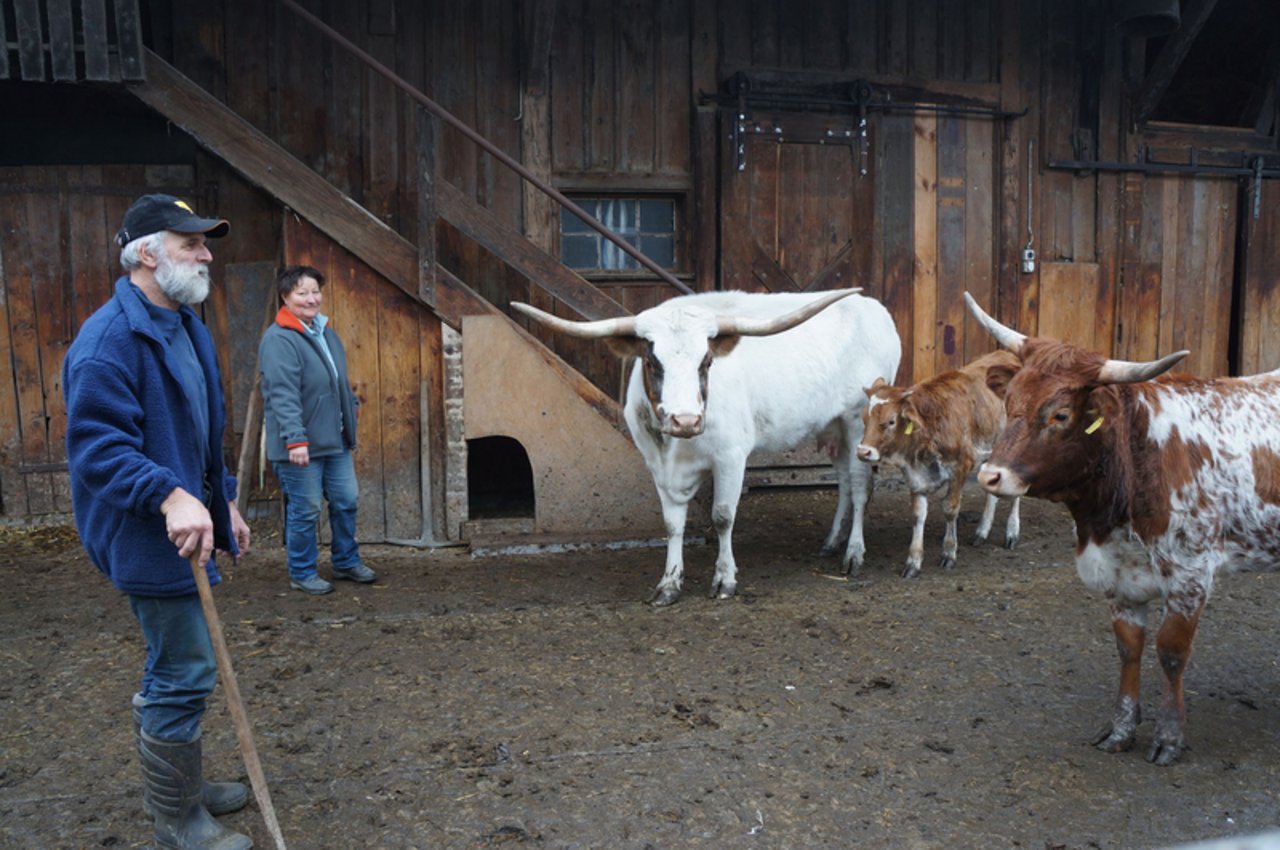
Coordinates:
[26,14]
[481,225]
[62,48]
[4,54]
[1170,59]
[265,164]
[97,65]
[129,40]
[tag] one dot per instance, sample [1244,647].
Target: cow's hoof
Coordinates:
[911,570]
[1011,541]
[827,550]
[720,590]
[1164,753]
[663,596]
[1112,740]
[852,567]
[978,540]
[947,562]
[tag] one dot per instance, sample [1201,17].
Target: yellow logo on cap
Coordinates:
[183,204]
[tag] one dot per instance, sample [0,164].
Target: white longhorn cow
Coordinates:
[722,374]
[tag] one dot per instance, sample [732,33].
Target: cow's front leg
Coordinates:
[1013,525]
[675,510]
[860,475]
[988,519]
[952,512]
[915,554]
[724,508]
[1173,648]
[1130,631]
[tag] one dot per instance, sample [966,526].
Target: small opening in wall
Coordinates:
[499,479]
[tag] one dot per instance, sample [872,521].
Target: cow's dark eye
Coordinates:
[1061,417]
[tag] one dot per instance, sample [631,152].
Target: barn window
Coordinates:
[647,223]
[499,479]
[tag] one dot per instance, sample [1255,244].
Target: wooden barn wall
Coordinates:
[50,285]
[605,97]
[386,336]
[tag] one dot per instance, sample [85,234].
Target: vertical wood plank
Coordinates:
[863,30]
[980,214]
[129,39]
[93,14]
[952,242]
[685,64]
[4,57]
[568,105]
[400,387]
[13,250]
[62,50]
[895,205]
[26,15]
[924,278]
[1260,336]
[25,277]
[637,87]
[603,119]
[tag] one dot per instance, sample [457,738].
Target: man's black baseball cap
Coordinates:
[154,213]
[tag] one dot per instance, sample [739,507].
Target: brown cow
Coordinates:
[936,433]
[1182,473]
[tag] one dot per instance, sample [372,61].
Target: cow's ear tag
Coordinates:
[911,426]
[1097,423]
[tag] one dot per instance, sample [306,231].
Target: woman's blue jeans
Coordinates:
[331,477]
[181,668]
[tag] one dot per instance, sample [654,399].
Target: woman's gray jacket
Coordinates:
[304,403]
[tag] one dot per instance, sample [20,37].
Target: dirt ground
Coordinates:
[537,701]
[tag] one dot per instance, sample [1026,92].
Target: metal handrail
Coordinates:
[446,116]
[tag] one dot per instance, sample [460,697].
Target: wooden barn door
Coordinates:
[909,221]
[797,215]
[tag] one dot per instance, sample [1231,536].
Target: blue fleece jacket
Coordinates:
[131,441]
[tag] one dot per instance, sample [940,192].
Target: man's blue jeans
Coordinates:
[331,477]
[181,668]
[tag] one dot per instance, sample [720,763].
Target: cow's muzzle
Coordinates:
[1001,481]
[867,454]
[684,425]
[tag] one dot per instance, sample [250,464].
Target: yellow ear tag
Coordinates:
[1097,423]
[911,426]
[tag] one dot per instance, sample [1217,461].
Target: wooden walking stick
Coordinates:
[239,718]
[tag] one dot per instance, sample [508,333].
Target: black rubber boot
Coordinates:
[174,783]
[220,798]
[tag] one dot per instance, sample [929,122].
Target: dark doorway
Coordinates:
[499,479]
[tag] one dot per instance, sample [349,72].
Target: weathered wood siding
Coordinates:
[603,97]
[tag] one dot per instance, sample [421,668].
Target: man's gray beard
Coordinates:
[185,283]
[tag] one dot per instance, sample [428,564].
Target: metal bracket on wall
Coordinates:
[856,99]
[1254,169]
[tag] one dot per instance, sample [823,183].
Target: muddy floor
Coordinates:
[536,700]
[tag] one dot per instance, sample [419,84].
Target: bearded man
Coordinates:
[150,489]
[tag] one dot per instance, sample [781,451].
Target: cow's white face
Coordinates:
[679,346]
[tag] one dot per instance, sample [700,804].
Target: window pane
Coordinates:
[658,216]
[645,222]
[660,249]
[570,223]
[580,252]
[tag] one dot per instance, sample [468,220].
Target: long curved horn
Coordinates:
[1007,337]
[742,326]
[600,329]
[1128,372]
